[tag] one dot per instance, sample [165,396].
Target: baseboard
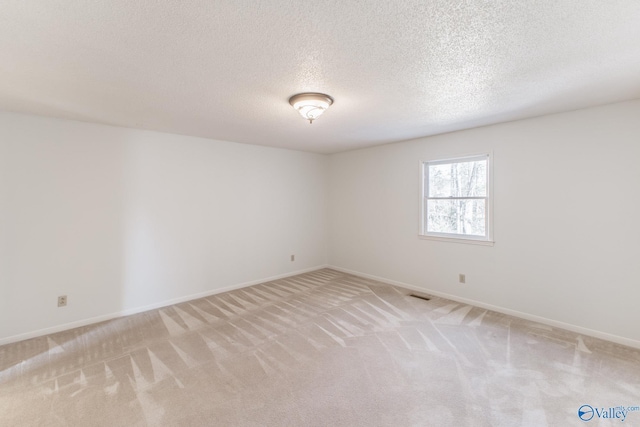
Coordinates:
[532,317]
[128,312]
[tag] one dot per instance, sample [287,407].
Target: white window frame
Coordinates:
[487,239]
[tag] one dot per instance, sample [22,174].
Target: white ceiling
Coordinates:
[224,69]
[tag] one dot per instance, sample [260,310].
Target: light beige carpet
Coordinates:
[319,349]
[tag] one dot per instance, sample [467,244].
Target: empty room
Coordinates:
[278,213]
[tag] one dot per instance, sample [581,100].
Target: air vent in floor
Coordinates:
[420,297]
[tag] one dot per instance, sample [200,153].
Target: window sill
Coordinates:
[457,240]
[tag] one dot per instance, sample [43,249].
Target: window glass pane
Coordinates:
[456,217]
[459,179]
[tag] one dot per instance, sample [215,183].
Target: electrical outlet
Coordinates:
[293,258]
[462,278]
[62,301]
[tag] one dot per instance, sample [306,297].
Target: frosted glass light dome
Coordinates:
[310,105]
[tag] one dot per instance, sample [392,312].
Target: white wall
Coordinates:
[567,219]
[121,219]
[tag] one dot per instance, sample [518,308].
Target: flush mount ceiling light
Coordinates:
[310,105]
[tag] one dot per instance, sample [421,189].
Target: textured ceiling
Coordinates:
[224,69]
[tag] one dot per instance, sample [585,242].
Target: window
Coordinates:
[455,199]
